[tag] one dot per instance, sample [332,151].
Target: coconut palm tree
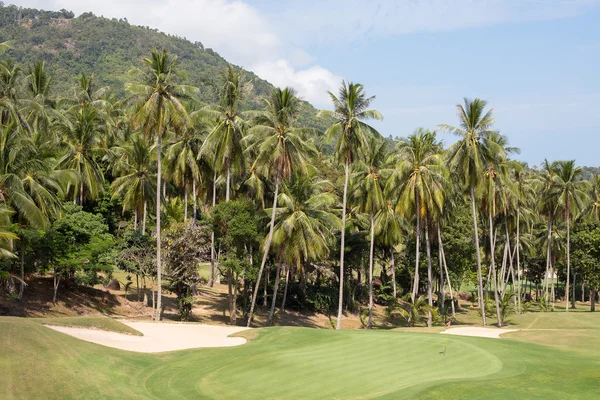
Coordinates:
[467,157]
[418,183]
[136,179]
[224,141]
[305,223]
[572,197]
[82,130]
[157,107]
[280,149]
[388,234]
[351,108]
[368,194]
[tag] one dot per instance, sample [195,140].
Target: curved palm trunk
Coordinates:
[443,257]
[429,274]
[211,282]
[494,274]
[442,283]
[370,323]
[417,252]
[158,315]
[266,251]
[479,277]
[568,257]
[275,290]
[393,269]
[342,243]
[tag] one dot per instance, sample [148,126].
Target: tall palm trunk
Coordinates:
[494,273]
[370,323]
[442,282]
[285,291]
[266,250]
[548,257]
[479,277]
[342,243]
[22,264]
[393,269]
[568,255]
[228,182]
[158,315]
[518,263]
[135,218]
[443,257]
[417,252]
[185,203]
[195,199]
[211,282]
[429,274]
[275,290]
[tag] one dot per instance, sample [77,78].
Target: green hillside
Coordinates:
[109,48]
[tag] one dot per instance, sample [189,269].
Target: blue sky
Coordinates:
[537,62]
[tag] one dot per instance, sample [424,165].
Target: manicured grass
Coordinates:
[102,323]
[285,362]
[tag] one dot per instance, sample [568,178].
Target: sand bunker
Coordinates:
[479,332]
[160,337]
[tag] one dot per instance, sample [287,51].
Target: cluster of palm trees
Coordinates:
[160,145]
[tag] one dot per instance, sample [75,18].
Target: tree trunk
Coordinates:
[195,200]
[477,252]
[393,269]
[211,281]
[342,244]
[548,257]
[266,250]
[55,287]
[518,263]
[446,269]
[266,285]
[415,290]
[429,274]
[583,292]
[568,258]
[228,182]
[135,218]
[592,299]
[185,203]
[573,297]
[442,284]
[285,291]
[275,289]
[231,293]
[370,323]
[145,216]
[158,315]
[494,273]
[22,264]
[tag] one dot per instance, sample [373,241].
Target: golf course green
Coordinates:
[294,363]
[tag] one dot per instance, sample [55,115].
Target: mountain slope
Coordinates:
[109,48]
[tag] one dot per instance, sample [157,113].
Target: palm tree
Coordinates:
[136,178]
[281,149]
[224,142]
[157,108]
[418,181]
[548,205]
[82,130]
[572,192]
[468,158]
[388,233]
[351,108]
[368,194]
[304,224]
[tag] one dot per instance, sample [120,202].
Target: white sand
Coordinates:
[476,331]
[160,336]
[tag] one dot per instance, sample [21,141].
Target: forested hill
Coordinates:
[109,48]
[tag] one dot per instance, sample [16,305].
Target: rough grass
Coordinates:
[286,362]
[101,323]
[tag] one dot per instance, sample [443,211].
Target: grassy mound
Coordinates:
[294,363]
[101,323]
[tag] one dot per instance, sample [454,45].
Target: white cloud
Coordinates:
[233,28]
[311,83]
